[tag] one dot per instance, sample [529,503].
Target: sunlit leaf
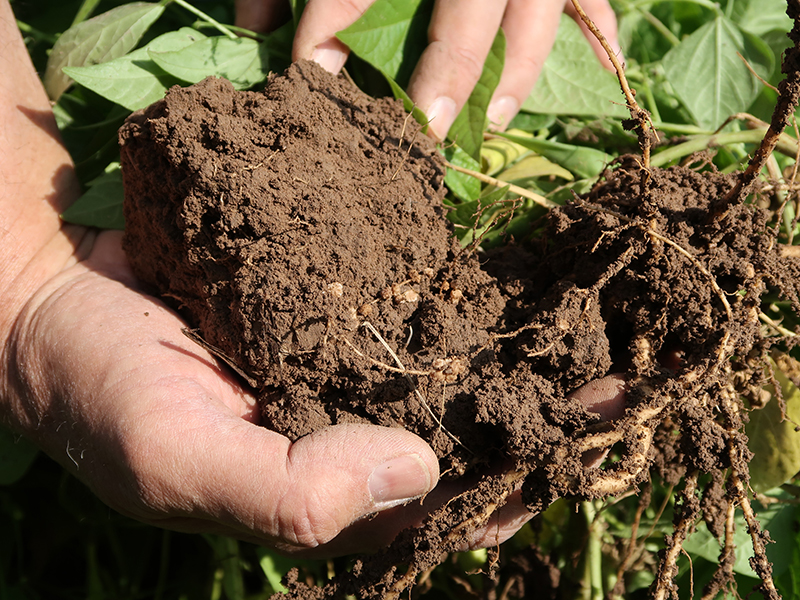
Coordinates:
[241,61]
[775,443]
[391,36]
[467,129]
[708,75]
[778,519]
[573,82]
[98,40]
[497,153]
[134,80]
[101,205]
[465,187]
[532,167]
[580,160]
[761,16]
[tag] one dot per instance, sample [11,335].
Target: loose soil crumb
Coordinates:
[302,232]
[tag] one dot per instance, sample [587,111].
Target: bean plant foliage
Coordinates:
[704,70]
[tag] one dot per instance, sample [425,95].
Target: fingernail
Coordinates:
[399,480]
[501,111]
[330,59]
[441,114]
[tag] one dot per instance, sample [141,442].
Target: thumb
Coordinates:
[257,485]
[340,474]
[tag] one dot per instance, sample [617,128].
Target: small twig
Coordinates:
[195,337]
[407,375]
[720,294]
[776,326]
[639,116]
[515,189]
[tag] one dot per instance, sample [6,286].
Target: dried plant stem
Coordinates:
[639,116]
[514,189]
[788,94]
[417,393]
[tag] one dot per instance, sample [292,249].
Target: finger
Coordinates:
[605,397]
[297,497]
[261,15]
[460,35]
[530,29]
[503,524]
[601,13]
[315,38]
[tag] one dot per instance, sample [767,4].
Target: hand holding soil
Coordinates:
[459,38]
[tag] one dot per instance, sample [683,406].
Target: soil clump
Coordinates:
[301,230]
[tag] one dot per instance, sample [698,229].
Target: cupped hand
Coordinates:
[121,398]
[460,35]
[159,431]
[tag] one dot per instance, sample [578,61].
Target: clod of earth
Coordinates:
[302,232]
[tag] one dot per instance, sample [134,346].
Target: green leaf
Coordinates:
[583,161]
[709,78]
[775,444]
[98,40]
[761,16]
[464,187]
[101,205]
[400,94]
[391,36]
[134,80]
[778,519]
[16,456]
[241,61]
[532,167]
[573,82]
[467,129]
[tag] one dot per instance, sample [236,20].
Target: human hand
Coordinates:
[99,375]
[459,38]
[150,422]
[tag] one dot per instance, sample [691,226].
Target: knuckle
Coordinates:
[306,524]
[468,62]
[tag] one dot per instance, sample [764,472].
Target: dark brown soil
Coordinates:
[301,231]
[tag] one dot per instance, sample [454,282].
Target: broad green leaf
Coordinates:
[573,82]
[241,61]
[775,444]
[789,582]
[98,40]
[16,456]
[101,205]
[467,129]
[391,36]
[581,160]
[761,16]
[498,153]
[400,94]
[778,519]
[531,167]
[465,187]
[708,76]
[134,80]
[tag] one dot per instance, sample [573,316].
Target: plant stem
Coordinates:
[785,144]
[85,11]
[33,32]
[514,189]
[594,551]
[200,14]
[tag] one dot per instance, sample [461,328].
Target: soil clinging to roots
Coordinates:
[302,232]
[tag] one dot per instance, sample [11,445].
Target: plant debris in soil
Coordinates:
[301,231]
